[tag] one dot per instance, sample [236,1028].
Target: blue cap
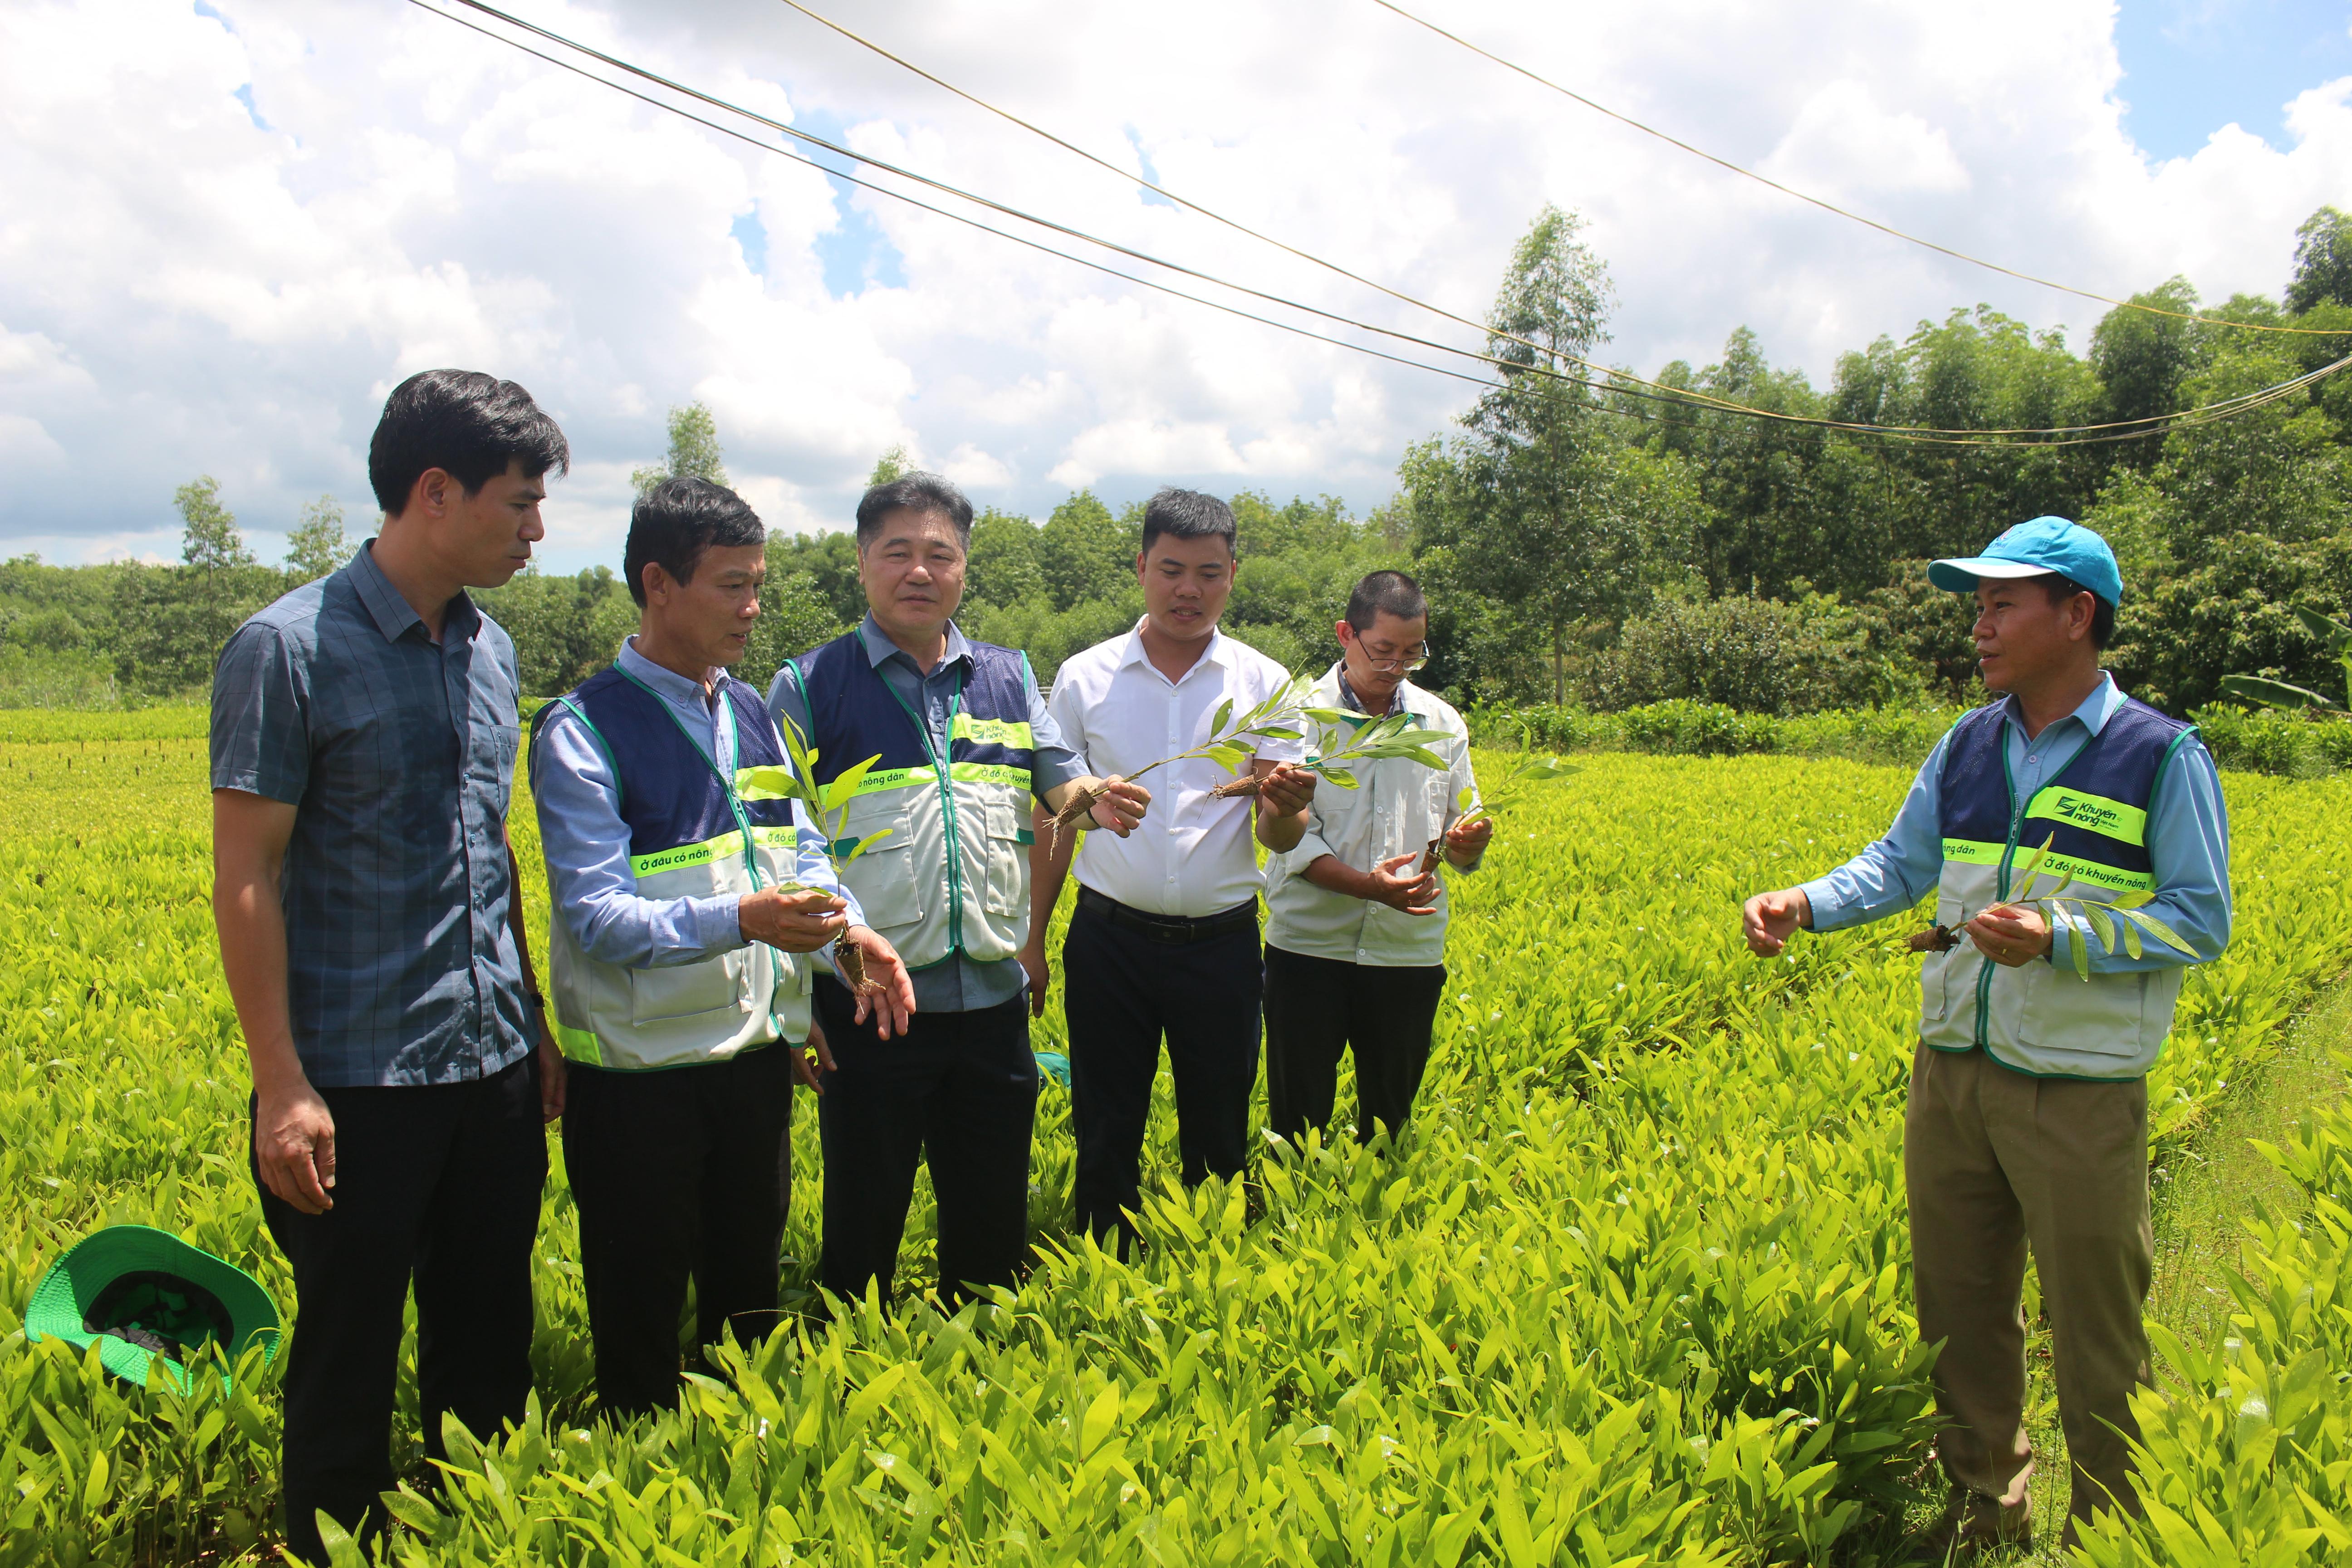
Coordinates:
[2034,549]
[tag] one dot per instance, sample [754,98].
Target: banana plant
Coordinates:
[2110,919]
[2333,635]
[1469,808]
[828,806]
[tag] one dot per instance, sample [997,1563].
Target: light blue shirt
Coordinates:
[586,843]
[2188,841]
[956,983]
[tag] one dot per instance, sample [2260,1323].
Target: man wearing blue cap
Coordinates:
[2027,1126]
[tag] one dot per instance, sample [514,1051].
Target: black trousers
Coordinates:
[957,1091]
[1317,1007]
[687,1170]
[440,1184]
[1122,991]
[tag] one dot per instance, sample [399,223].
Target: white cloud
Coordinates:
[188,287]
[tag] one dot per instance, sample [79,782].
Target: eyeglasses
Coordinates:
[1400,663]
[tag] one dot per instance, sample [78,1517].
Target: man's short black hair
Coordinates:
[676,520]
[2061,588]
[1392,592]
[915,492]
[468,424]
[1187,514]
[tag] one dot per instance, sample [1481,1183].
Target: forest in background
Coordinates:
[1601,544]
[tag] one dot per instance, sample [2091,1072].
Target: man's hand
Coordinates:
[894,1003]
[794,919]
[553,1072]
[2010,935]
[1465,841]
[1122,807]
[1041,977]
[294,1143]
[1390,883]
[809,1066]
[1771,918]
[1287,791]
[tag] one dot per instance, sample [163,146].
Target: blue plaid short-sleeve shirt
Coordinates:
[398,755]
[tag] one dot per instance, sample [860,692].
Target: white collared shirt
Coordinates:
[1398,806]
[1192,855]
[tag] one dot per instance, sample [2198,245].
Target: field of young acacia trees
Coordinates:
[1634,1289]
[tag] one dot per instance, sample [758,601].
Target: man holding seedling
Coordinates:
[687,892]
[2076,845]
[1356,912]
[960,744]
[363,739]
[1164,940]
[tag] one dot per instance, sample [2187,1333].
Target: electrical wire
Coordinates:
[1746,173]
[1679,395]
[1617,382]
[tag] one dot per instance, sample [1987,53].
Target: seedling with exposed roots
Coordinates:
[828,808]
[1272,719]
[1469,808]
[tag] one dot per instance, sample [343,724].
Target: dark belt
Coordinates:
[1172,929]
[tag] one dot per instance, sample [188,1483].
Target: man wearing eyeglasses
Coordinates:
[1354,935]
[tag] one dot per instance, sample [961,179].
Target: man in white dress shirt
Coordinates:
[1355,930]
[1164,940]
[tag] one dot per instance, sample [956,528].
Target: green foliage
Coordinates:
[892,464]
[210,540]
[565,629]
[2323,261]
[316,546]
[1634,1285]
[694,450]
[1756,654]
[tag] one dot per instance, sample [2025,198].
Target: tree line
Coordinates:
[1603,545]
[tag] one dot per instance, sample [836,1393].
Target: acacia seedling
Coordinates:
[1271,720]
[2120,917]
[828,808]
[1469,808]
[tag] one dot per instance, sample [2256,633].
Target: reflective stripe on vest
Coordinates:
[2038,1017]
[692,836]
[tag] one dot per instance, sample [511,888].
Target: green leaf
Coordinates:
[2163,933]
[1463,798]
[2333,635]
[2081,946]
[2132,899]
[1276,732]
[2131,939]
[843,789]
[1340,777]
[1225,712]
[2023,887]
[1331,715]
[2102,923]
[2272,693]
[861,845]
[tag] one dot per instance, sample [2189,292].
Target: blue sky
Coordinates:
[2191,67]
[234,224]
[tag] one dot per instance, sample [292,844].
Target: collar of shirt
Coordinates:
[2091,713]
[880,649]
[1398,701]
[392,613]
[1134,653]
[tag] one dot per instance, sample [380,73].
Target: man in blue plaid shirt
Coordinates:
[363,738]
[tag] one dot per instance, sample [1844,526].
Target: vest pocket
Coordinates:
[687,990]
[1008,858]
[883,877]
[2105,1015]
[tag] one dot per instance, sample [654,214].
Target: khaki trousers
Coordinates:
[1994,1160]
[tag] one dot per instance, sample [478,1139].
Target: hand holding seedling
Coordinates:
[1467,840]
[1467,834]
[1287,791]
[1772,919]
[796,919]
[1120,807]
[2008,934]
[883,987]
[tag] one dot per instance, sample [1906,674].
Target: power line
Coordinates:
[1746,173]
[1676,394]
[1617,382]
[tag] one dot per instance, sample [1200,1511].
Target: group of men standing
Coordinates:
[714,942]
[365,730]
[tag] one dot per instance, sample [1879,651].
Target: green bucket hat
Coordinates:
[142,1295]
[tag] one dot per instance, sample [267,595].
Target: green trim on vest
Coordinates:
[2095,812]
[578,1045]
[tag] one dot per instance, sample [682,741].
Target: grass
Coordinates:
[2202,1199]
